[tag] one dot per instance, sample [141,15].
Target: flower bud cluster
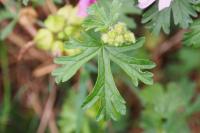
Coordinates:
[58,28]
[118,35]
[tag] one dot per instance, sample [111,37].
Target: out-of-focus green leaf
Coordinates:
[8,29]
[167,110]
[182,13]
[191,38]
[4,14]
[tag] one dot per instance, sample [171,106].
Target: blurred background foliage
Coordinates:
[31,102]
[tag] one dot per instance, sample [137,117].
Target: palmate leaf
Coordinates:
[111,104]
[191,38]
[165,104]
[105,93]
[182,12]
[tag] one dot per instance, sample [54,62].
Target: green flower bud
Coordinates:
[65,11]
[74,19]
[105,38]
[55,23]
[61,35]
[111,41]
[57,48]
[118,35]
[120,28]
[69,30]
[129,37]
[44,39]
[111,34]
[119,40]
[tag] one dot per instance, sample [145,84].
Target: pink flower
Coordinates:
[162,4]
[82,7]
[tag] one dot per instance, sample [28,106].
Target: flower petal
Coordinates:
[145,3]
[82,7]
[164,4]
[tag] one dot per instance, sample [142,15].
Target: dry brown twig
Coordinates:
[25,49]
[44,70]
[51,6]
[168,45]
[46,115]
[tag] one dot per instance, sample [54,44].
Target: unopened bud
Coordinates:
[105,38]
[55,23]
[129,37]
[118,35]
[44,39]
[120,28]
[57,48]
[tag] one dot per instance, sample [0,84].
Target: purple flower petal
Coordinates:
[82,7]
[164,4]
[145,3]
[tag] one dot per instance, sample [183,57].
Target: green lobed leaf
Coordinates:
[105,94]
[182,12]
[89,39]
[191,38]
[134,67]
[167,110]
[110,102]
[71,64]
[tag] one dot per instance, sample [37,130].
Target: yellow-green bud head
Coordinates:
[105,38]
[57,48]
[74,19]
[120,28]
[61,35]
[44,39]
[111,41]
[55,23]
[118,35]
[129,37]
[119,40]
[65,11]
[111,34]
[69,30]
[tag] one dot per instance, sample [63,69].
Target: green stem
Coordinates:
[6,86]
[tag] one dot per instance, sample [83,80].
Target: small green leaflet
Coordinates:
[101,17]
[191,38]
[72,64]
[182,12]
